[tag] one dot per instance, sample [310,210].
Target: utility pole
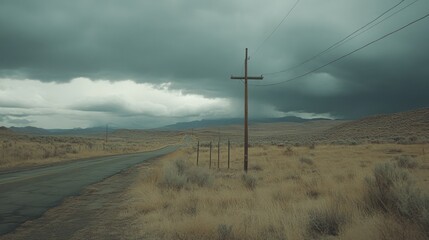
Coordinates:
[107,131]
[246,132]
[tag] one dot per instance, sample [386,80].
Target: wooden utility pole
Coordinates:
[246,132]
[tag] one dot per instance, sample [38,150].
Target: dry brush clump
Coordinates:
[306,160]
[392,191]
[225,232]
[405,161]
[179,174]
[326,221]
[249,181]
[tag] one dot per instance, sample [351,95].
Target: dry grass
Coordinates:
[26,151]
[285,198]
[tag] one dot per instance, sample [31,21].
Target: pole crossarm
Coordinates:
[248,78]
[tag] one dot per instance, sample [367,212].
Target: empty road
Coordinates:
[26,195]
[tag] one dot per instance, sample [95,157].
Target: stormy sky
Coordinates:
[144,64]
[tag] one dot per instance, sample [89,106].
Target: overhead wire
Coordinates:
[384,19]
[276,28]
[344,56]
[340,42]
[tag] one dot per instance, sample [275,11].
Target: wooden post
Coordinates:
[229,149]
[4,151]
[246,132]
[198,151]
[218,153]
[210,162]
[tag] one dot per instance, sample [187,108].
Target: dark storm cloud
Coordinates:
[389,76]
[59,40]
[196,45]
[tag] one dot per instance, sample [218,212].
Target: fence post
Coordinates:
[210,163]
[198,151]
[218,153]
[4,151]
[229,150]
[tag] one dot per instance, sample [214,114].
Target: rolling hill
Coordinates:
[398,127]
[209,123]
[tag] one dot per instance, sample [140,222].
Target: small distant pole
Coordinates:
[210,163]
[229,151]
[107,131]
[198,151]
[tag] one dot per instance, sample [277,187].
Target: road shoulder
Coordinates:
[94,214]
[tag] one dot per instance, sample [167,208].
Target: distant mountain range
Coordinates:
[233,121]
[405,127]
[174,127]
[42,131]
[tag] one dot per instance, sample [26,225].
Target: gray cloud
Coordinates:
[196,45]
[15,120]
[110,106]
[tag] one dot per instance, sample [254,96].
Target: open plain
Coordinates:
[305,181]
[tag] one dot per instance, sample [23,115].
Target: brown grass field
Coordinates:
[23,151]
[315,180]
[320,192]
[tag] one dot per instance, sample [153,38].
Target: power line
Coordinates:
[277,27]
[381,21]
[340,42]
[346,55]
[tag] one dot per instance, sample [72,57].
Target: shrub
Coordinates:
[409,201]
[313,194]
[380,188]
[249,181]
[200,176]
[306,160]
[224,232]
[256,167]
[172,179]
[181,166]
[326,221]
[288,151]
[392,191]
[405,161]
[178,173]
[394,150]
[190,207]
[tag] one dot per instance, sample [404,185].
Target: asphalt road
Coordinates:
[26,195]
